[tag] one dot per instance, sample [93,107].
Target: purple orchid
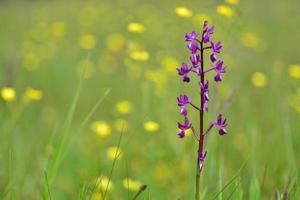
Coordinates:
[207,32]
[197,47]
[183,100]
[219,69]
[193,47]
[220,124]
[191,36]
[184,71]
[195,59]
[216,47]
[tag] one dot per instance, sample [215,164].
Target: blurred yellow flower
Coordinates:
[151,126]
[31,61]
[183,12]
[87,41]
[97,196]
[124,107]
[225,10]
[136,27]
[187,132]
[86,69]
[8,94]
[103,182]
[131,184]
[33,94]
[113,153]
[139,55]
[259,79]
[58,29]
[249,39]
[294,71]
[101,128]
[159,77]
[115,42]
[170,64]
[233,2]
[121,125]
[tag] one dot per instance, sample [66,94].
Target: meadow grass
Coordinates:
[59,141]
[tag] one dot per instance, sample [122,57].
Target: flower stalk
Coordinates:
[197,47]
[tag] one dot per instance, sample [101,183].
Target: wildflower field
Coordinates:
[88,100]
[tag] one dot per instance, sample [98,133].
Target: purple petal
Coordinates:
[218,78]
[222,131]
[181,134]
[213,57]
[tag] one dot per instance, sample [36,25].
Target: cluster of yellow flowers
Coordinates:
[8,94]
[103,183]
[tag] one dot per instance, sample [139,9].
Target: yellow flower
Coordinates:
[115,42]
[121,125]
[183,12]
[87,41]
[101,128]
[8,94]
[58,29]
[157,76]
[140,55]
[131,184]
[294,71]
[113,153]
[187,132]
[136,27]
[250,40]
[225,10]
[97,196]
[151,126]
[233,2]
[103,182]
[259,79]
[170,64]
[33,94]
[124,107]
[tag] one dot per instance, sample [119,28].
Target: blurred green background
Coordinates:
[126,53]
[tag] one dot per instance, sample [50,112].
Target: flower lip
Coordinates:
[183,71]
[220,124]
